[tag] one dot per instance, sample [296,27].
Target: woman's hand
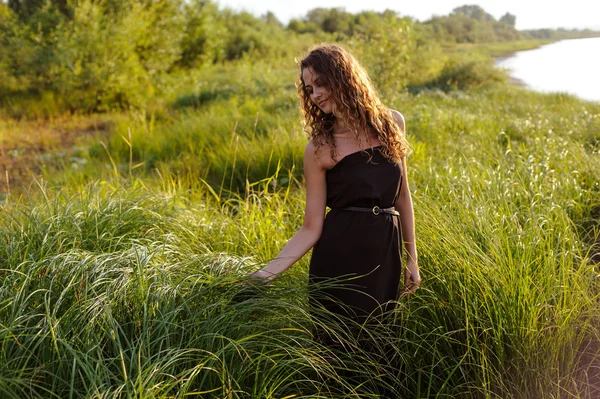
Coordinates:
[260,277]
[412,278]
[253,286]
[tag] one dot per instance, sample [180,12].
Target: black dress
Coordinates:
[356,265]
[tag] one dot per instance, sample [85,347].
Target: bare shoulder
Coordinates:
[310,152]
[315,156]
[399,118]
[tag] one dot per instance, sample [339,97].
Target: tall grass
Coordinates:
[138,294]
[124,280]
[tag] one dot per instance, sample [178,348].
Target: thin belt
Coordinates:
[375,210]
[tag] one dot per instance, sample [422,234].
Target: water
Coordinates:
[571,66]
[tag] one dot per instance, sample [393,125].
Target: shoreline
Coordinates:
[573,88]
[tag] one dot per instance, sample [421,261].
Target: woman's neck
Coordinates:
[340,127]
[345,133]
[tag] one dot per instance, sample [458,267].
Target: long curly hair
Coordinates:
[354,100]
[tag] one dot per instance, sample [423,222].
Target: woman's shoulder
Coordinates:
[320,155]
[398,117]
[311,149]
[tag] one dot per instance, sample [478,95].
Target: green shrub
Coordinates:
[463,73]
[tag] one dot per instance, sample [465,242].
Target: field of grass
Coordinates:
[122,261]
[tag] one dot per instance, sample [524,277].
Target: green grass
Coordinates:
[501,49]
[121,275]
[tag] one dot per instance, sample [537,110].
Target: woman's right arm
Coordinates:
[308,235]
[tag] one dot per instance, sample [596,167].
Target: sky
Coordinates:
[531,14]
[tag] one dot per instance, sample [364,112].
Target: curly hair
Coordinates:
[354,100]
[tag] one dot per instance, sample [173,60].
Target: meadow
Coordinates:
[121,280]
[126,236]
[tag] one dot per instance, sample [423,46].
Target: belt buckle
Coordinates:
[376,210]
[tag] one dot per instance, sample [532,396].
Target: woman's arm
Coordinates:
[404,205]
[412,277]
[308,235]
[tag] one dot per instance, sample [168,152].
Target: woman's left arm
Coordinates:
[412,276]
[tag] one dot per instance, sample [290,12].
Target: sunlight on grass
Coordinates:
[127,283]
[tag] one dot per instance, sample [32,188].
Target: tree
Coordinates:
[271,19]
[331,20]
[474,12]
[509,19]
[27,8]
[385,45]
[338,21]
[204,36]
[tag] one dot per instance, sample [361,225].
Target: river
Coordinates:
[571,66]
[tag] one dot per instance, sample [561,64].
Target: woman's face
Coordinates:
[315,87]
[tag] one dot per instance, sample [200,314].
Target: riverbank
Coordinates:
[568,67]
[503,49]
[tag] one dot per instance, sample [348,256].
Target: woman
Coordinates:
[355,163]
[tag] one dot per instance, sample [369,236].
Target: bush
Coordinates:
[116,58]
[385,48]
[460,73]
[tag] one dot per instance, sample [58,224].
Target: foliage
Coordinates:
[203,41]
[116,58]
[509,19]
[385,47]
[89,55]
[466,72]
[124,53]
[559,34]
[462,28]
[473,12]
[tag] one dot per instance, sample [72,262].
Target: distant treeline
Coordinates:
[90,55]
[465,24]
